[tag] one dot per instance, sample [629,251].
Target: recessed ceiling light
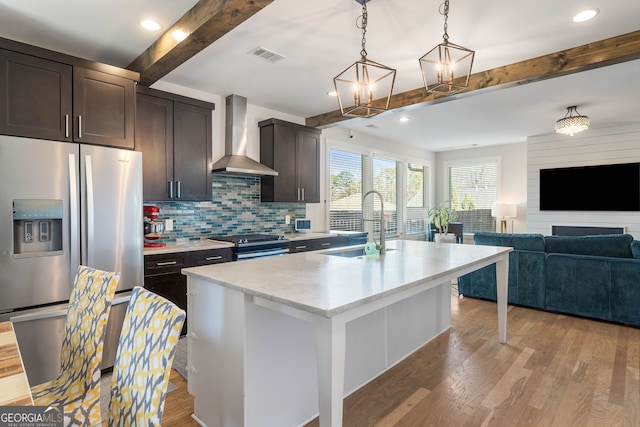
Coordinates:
[404,119]
[332,93]
[150,25]
[586,15]
[179,35]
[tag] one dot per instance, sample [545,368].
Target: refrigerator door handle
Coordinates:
[73,213]
[89,258]
[39,315]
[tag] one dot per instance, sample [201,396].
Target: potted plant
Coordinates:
[440,216]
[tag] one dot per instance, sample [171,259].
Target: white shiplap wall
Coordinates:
[620,144]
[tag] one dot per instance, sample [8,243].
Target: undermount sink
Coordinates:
[352,253]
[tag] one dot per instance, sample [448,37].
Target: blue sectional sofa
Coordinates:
[590,276]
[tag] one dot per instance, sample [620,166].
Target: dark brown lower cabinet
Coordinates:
[162,272]
[304,245]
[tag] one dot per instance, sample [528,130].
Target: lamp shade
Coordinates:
[503,210]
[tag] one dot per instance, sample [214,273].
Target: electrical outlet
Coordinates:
[287,219]
[168,225]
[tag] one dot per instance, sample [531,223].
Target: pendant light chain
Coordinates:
[363,52]
[445,36]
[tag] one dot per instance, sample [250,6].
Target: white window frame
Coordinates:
[472,162]
[401,178]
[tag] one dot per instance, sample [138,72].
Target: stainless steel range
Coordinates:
[249,246]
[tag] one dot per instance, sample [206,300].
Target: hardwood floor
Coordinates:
[555,370]
[178,405]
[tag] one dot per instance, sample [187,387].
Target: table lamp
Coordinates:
[504,211]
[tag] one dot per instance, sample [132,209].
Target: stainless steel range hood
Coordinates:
[235,160]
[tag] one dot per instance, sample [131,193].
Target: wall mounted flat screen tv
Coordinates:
[591,188]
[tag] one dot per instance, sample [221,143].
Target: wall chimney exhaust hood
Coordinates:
[235,160]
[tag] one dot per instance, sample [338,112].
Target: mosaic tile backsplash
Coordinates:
[235,208]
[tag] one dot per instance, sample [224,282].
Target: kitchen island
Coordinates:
[277,341]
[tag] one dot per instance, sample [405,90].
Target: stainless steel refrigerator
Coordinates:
[62,205]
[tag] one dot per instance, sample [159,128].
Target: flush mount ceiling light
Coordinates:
[364,89]
[570,123]
[446,68]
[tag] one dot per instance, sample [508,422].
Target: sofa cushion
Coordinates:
[635,249]
[521,242]
[607,245]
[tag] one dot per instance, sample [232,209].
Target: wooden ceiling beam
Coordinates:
[602,53]
[205,22]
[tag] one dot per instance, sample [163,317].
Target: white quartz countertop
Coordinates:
[327,284]
[190,245]
[204,243]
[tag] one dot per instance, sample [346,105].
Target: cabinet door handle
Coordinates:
[302,193]
[66,126]
[79,126]
[301,247]
[178,186]
[170,185]
[325,244]
[298,196]
[212,258]
[161,264]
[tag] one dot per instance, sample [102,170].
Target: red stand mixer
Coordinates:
[153,227]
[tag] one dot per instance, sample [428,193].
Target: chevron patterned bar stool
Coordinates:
[77,387]
[145,353]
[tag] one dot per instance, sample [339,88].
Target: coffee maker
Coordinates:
[153,227]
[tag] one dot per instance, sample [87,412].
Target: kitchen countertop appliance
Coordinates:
[153,227]
[249,246]
[64,204]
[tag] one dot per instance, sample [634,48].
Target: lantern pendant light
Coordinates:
[364,89]
[447,67]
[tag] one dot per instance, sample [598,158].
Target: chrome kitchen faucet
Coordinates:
[381,246]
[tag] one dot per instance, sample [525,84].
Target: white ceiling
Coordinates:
[319,40]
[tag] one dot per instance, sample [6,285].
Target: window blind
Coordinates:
[345,201]
[472,192]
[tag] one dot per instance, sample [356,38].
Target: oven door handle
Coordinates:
[260,254]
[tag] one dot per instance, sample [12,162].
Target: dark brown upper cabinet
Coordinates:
[293,150]
[104,109]
[35,97]
[174,135]
[50,95]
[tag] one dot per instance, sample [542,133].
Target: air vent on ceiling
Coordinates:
[266,54]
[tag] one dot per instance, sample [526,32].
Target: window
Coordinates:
[473,189]
[345,187]
[416,191]
[385,178]
[403,187]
